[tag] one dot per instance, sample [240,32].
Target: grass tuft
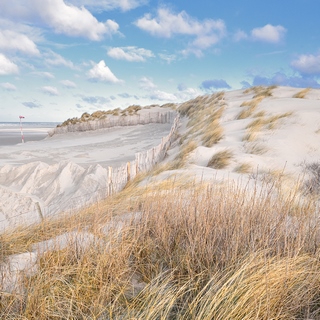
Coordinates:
[221,159]
[302,94]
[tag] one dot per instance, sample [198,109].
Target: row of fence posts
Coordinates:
[144,161]
[114,121]
[118,177]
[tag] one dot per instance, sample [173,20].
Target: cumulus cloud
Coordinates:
[68,84]
[8,86]
[44,75]
[269,33]
[7,66]
[32,105]
[307,64]
[73,21]
[101,72]
[130,54]
[52,91]
[167,24]
[14,41]
[105,5]
[215,84]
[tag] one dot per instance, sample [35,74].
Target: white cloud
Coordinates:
[240,35]
[269,33]
[13,41]
[147,84]
[130,53]
[52,91]
[73,21]
[162,96]
[167,57]
[7,66]
[167,24]
[56,59]
[44,75]
[101,72]
[68,84]
[307,64]
[8,86]
[102,5]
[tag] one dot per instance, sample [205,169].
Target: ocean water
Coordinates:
[10,132]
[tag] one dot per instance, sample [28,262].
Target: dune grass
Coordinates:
[221,159]
[302,94]
[260,91]
[198,251]
[243,168]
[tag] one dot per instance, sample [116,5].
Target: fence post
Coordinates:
[109,181]
[128,172]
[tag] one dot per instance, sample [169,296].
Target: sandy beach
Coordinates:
[64,171]
[10,133]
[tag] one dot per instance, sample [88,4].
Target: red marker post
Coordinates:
[22,137]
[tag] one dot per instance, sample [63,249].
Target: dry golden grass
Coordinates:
[212,135]
[181,159]
[260,91]
[198,251]
[302,94]
[243,168]
[255,148]
[251,108]
[221,159]
[250,136]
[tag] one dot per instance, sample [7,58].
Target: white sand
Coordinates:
[74,164]
[66,171]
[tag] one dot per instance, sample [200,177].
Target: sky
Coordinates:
[59,58]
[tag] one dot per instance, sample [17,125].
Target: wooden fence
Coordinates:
[115,121]
[144,161]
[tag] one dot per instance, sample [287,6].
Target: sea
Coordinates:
[10,132]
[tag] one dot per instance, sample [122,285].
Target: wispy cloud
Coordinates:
[32,105]
[54,59]
[52,91]
[68,84]
[132,54]
[44,75]
[8,86]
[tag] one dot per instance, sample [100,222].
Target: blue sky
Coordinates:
[59,58]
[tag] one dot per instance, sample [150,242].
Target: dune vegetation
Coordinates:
[186,250]
[174,246]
